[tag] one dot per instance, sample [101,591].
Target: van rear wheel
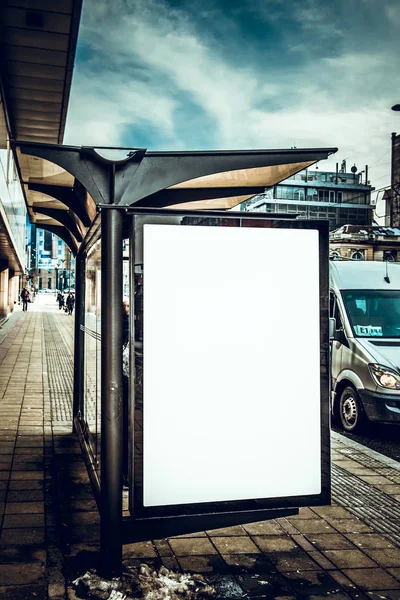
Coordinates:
[351,416]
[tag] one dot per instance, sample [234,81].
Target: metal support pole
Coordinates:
[111,394]
[79,339]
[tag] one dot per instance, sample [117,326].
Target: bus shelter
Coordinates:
[201,358]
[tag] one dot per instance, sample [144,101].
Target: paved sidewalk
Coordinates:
[49,527]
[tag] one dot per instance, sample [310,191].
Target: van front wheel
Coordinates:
[351,415]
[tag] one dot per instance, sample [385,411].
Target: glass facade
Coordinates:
[336,216]
[12,201]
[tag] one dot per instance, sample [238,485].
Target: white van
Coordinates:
[365,351]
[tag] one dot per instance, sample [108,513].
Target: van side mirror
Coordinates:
[332,328]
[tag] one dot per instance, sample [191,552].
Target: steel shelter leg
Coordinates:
[111,394]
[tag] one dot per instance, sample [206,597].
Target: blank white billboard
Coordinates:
[231,364]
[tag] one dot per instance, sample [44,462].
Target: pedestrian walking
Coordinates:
[70,303]
[25,299]
[60,300]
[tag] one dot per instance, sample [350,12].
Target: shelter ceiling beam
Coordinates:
[173,196]
[75,198]
[62,233]
[65,217]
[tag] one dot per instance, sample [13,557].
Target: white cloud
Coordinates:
[341,101]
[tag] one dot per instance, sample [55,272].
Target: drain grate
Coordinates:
[376,509]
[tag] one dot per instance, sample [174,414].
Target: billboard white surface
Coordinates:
[231,389]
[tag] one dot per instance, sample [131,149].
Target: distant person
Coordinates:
[25,299]
[60,300]
[70,303]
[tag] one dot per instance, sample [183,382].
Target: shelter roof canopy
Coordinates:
[60,179]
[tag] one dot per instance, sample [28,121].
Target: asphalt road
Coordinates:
[381,438]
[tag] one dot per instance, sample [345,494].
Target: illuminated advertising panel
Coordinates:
[231,383]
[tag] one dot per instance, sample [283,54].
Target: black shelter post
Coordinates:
[79,338]
[111,393]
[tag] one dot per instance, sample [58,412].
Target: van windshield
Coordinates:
[373,313]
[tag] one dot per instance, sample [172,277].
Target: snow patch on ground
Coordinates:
[145,583]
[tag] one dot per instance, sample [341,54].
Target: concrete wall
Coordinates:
[4,287]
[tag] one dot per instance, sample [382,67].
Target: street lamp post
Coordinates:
[57,277]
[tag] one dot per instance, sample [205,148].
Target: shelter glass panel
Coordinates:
[92,344]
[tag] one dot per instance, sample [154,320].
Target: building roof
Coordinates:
[363,232]
[37,48]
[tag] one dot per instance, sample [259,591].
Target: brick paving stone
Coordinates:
[395,572]
[297,560]
[322,560]
[372,579]
[274,543]
[304,513]
[24,507]
[384,595]
[227,531]
[170,562]
[27,520]
[25,484]
[202,564]
[248,563]
[350,526]
[163,548]
[348,559]
[25,496]
[192,546]
[312,526]
[34,592]
[22,554]
[332,512]
[313,582]
[23,475]
[261,585]
[390,488]
[375,479]
[369,540]
[264,528]
[21,573]
[389,557]
[139,550]
[235,545]
[329,541]
[22,536]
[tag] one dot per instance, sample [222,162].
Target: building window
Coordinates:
[340,197]
[388,256]
[357,255]
[323,195]
[334,255]
[331,196]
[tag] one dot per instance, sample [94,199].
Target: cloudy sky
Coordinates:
[240,74]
